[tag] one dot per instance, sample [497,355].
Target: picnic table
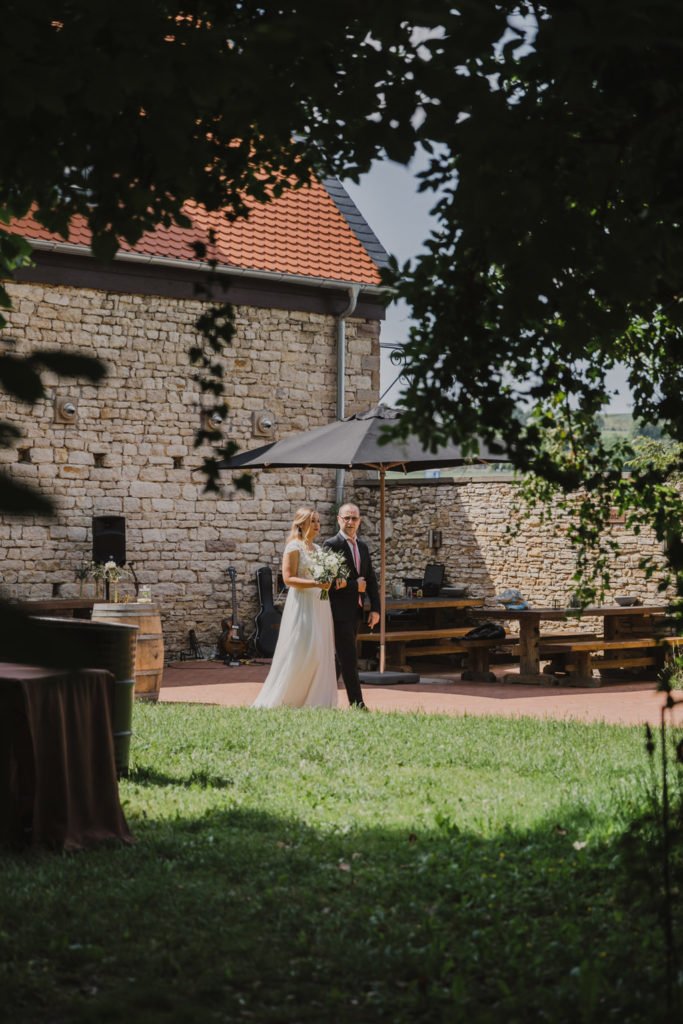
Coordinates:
[445,637]
[628,631]
[429,612]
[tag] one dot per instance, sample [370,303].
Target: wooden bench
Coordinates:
[401,639]
[579,658]
[407,635]
[549,643]
[477,651]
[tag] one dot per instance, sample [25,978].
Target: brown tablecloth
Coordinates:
[58,782]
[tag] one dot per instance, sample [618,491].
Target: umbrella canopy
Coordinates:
[355,443]
[352,443]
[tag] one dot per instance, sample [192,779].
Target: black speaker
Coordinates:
[109,539]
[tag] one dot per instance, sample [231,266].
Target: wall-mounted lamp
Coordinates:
[262,423]
[66,410]
[211,419]
[435,539]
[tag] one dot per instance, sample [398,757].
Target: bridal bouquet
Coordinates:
[327,566]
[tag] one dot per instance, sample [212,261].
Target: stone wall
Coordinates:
[131,451]
[479,550]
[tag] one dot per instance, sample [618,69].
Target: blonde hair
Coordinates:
[301,523]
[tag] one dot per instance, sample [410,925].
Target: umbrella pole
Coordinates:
[384,678]
[382,573]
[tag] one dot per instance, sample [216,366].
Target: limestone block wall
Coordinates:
[479,551]
[131,451]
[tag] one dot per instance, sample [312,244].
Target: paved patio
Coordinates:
[438,692]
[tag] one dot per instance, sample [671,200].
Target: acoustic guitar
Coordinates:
[268,618]
[232,643]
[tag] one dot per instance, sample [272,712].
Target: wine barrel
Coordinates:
[149,657]
[78,643]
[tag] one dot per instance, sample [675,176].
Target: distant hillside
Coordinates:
[622,427]
[617,425]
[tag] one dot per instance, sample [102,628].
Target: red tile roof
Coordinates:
[302,233]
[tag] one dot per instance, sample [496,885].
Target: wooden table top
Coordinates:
[56,604]
[398,603]
[557,614]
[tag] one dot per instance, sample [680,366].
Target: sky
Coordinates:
[400,217]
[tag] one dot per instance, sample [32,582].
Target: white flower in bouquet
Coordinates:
[107,571]
[327,566]
[112,571]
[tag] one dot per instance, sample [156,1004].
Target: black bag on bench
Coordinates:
[486,631]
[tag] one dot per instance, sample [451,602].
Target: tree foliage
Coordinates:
[558,254]
[556,149]
[123,112]
[559,251]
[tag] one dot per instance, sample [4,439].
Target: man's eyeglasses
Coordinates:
[351,519]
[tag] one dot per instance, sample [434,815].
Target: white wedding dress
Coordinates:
[302,673]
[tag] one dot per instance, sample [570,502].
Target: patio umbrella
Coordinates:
[356,443]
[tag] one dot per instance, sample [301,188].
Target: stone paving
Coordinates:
[438,692]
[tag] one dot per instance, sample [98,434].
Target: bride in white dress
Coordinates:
[302,673]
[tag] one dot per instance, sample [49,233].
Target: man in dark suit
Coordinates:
[347,602]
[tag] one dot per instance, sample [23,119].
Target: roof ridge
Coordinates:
[356,221]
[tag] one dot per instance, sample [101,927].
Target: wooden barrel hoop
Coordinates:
[149,655]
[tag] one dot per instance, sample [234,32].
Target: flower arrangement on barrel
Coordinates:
[103,573]
[327,566]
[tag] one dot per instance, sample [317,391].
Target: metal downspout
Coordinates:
[354,291]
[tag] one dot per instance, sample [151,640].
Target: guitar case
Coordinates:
[268,618]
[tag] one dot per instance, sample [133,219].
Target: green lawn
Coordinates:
[324,866]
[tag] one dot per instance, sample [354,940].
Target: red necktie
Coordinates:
[356,560]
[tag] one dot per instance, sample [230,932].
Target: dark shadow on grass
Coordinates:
[241,914]
[143,775]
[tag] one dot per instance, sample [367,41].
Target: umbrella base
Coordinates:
[388,678]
